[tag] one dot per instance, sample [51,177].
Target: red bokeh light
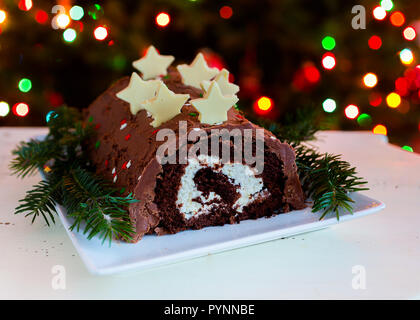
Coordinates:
[375,99]
[311,74]
[375,42]
[25,5]
[226,12]
[41,16]
[20,109]
[401,86]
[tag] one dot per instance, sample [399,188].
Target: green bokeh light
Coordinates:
[328,43]
[387,5]
[408,148]
[364,120]
[77,12]
[25,85]
[329,105]
[119,62]
[69,35]
[96,11]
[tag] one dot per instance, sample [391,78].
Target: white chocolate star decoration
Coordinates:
[213,107]
[222,79]
[196,72]
[165,105]
[138,91]
[153,64]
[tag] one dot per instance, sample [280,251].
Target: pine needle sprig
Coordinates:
[40,201]
[91,201]
[328,180]
[70,181]
[31,155]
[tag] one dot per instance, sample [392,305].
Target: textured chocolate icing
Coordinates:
[124,151]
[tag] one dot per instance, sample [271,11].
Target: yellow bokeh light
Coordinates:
[264,103]
[163,19]
[370,80]
[3,16]
[63,20]
[393,100]
[380,129]
[406,56]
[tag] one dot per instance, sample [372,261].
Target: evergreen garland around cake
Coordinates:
[91,161]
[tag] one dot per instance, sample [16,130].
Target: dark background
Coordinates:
[272,48]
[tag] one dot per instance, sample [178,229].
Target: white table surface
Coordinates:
[311,266]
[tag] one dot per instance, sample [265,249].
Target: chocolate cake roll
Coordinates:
[198,189]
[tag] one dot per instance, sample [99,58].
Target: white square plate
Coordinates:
[154,250]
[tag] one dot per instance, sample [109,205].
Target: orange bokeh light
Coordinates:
[380,129]
[397,19]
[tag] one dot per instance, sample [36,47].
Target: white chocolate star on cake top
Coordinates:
[196,72]
[138,91]
[222,79]
[165,105]
[213,107]
[153,64]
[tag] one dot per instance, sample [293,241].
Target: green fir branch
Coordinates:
[328,180]
[70,182]
[40,201]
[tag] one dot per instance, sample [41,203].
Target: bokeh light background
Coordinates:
[283,54]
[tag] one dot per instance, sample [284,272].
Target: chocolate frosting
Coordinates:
[124,149]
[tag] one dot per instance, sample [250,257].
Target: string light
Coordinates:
[397,19]
[62,20]
[351,111]
[25,85]
[406,56]
[76,13]
[375,42]
[100,33]
[328,43]
[329,105]
[387,5]
[375,99]
[380,129]
[393,100]
[50,114]
[328,61]
[370,80]
[20,109]
[379,13]
[41,16]
[25,5]
[96,11]
[311,73]
[69,35]
[3,16]
[226,12]
[264,103]
[407,148]
[401,86]
[4,109]
[364,120]
[163,19]
[409,33]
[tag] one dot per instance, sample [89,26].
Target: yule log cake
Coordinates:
[173,138]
